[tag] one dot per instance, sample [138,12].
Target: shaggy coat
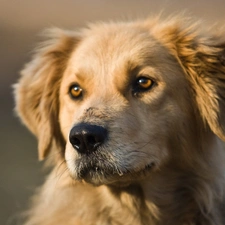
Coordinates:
[153,91]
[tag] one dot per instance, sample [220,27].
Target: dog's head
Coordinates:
[120,100]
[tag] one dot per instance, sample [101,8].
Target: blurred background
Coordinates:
[20,23]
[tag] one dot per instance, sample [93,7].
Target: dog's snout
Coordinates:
[86,138]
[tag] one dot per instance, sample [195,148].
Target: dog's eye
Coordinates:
[142,84]
[75,91]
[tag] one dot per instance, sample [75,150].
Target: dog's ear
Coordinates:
[36,93]
[202,57]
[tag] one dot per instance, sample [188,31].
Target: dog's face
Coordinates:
[124,103]
[122,98]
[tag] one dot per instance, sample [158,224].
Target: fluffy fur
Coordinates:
[163,161]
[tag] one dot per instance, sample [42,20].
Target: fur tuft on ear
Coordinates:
[36,93]
[201,54]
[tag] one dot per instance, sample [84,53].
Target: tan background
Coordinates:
[20,22]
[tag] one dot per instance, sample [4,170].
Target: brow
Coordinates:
[130,72]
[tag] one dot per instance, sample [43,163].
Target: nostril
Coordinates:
[91,140]
[75,142]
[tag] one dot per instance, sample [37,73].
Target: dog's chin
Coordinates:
[101,172]
[100,176]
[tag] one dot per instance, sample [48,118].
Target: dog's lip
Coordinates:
[93,170]
[148,167]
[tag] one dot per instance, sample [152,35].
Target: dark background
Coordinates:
[20,23]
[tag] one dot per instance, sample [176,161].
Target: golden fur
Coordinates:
[163,161]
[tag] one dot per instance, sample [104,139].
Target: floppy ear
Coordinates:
[37,92]
[202,57]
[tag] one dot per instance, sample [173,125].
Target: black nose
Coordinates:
[86,138]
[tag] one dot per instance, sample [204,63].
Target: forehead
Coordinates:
[115,46]
[112,43]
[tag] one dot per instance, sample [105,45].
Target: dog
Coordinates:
[130,117]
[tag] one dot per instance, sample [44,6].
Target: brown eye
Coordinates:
[144,83]
[75,91]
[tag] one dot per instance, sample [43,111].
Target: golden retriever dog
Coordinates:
[131,118]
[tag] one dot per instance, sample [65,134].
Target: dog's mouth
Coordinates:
[99,172]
